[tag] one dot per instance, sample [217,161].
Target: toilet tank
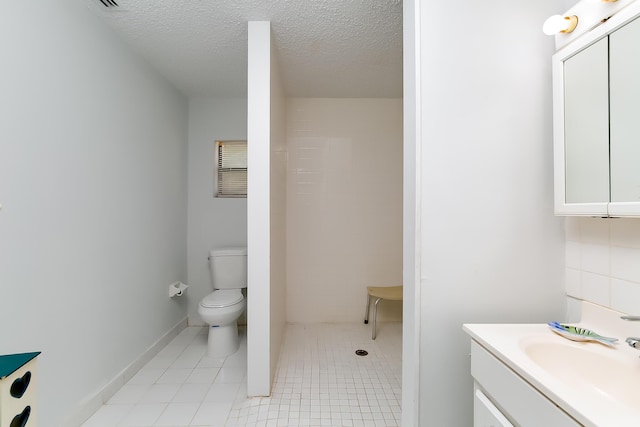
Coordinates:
[228,268]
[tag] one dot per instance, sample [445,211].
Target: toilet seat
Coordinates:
[222,298]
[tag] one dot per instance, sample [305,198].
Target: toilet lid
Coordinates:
[222,298]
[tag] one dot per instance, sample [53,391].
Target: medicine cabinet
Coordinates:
[596,83]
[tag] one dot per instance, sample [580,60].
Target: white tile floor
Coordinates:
[320,382]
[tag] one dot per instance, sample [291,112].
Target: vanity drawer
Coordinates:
[485,413]
[520,403]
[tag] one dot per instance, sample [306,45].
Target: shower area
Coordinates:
[343,233]
[324,212]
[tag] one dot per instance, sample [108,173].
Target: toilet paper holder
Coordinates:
[177,289]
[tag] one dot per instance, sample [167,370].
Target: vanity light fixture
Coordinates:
[559,24]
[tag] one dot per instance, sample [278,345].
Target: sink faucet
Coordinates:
[632,341]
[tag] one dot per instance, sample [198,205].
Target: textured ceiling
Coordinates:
[326,48]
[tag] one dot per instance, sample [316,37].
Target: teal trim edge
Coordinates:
[9,363]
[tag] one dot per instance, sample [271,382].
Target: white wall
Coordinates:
[278,207]
[213,222]
[259,210]
[93,187]
[602,262]
[411,213]
[492,251]
[344,206]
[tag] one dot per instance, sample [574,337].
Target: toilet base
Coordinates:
[223,341]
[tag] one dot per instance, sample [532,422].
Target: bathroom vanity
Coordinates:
[596,128]
[526,375]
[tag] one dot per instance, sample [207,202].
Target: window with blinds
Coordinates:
[232,168]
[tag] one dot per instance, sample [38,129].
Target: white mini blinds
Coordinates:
[232,168]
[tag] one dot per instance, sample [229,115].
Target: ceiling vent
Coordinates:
[109,3]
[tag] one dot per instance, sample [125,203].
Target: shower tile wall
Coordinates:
[603,262]
[344,206]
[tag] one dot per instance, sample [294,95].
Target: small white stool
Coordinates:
[391,293]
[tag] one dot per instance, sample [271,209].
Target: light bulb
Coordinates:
[559,24]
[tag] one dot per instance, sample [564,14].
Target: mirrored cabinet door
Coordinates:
[586,125]
[624,63]
[597,119]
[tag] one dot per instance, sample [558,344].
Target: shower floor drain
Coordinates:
[362,352]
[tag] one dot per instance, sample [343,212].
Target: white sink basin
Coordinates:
[587,366]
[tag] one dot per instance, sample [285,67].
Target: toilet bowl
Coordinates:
[221,308]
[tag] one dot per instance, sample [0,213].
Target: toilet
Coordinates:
[222,307]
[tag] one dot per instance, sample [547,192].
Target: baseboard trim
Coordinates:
[87,407]
[195,321]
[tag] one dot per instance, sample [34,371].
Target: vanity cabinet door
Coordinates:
[586,126]
[624,64]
